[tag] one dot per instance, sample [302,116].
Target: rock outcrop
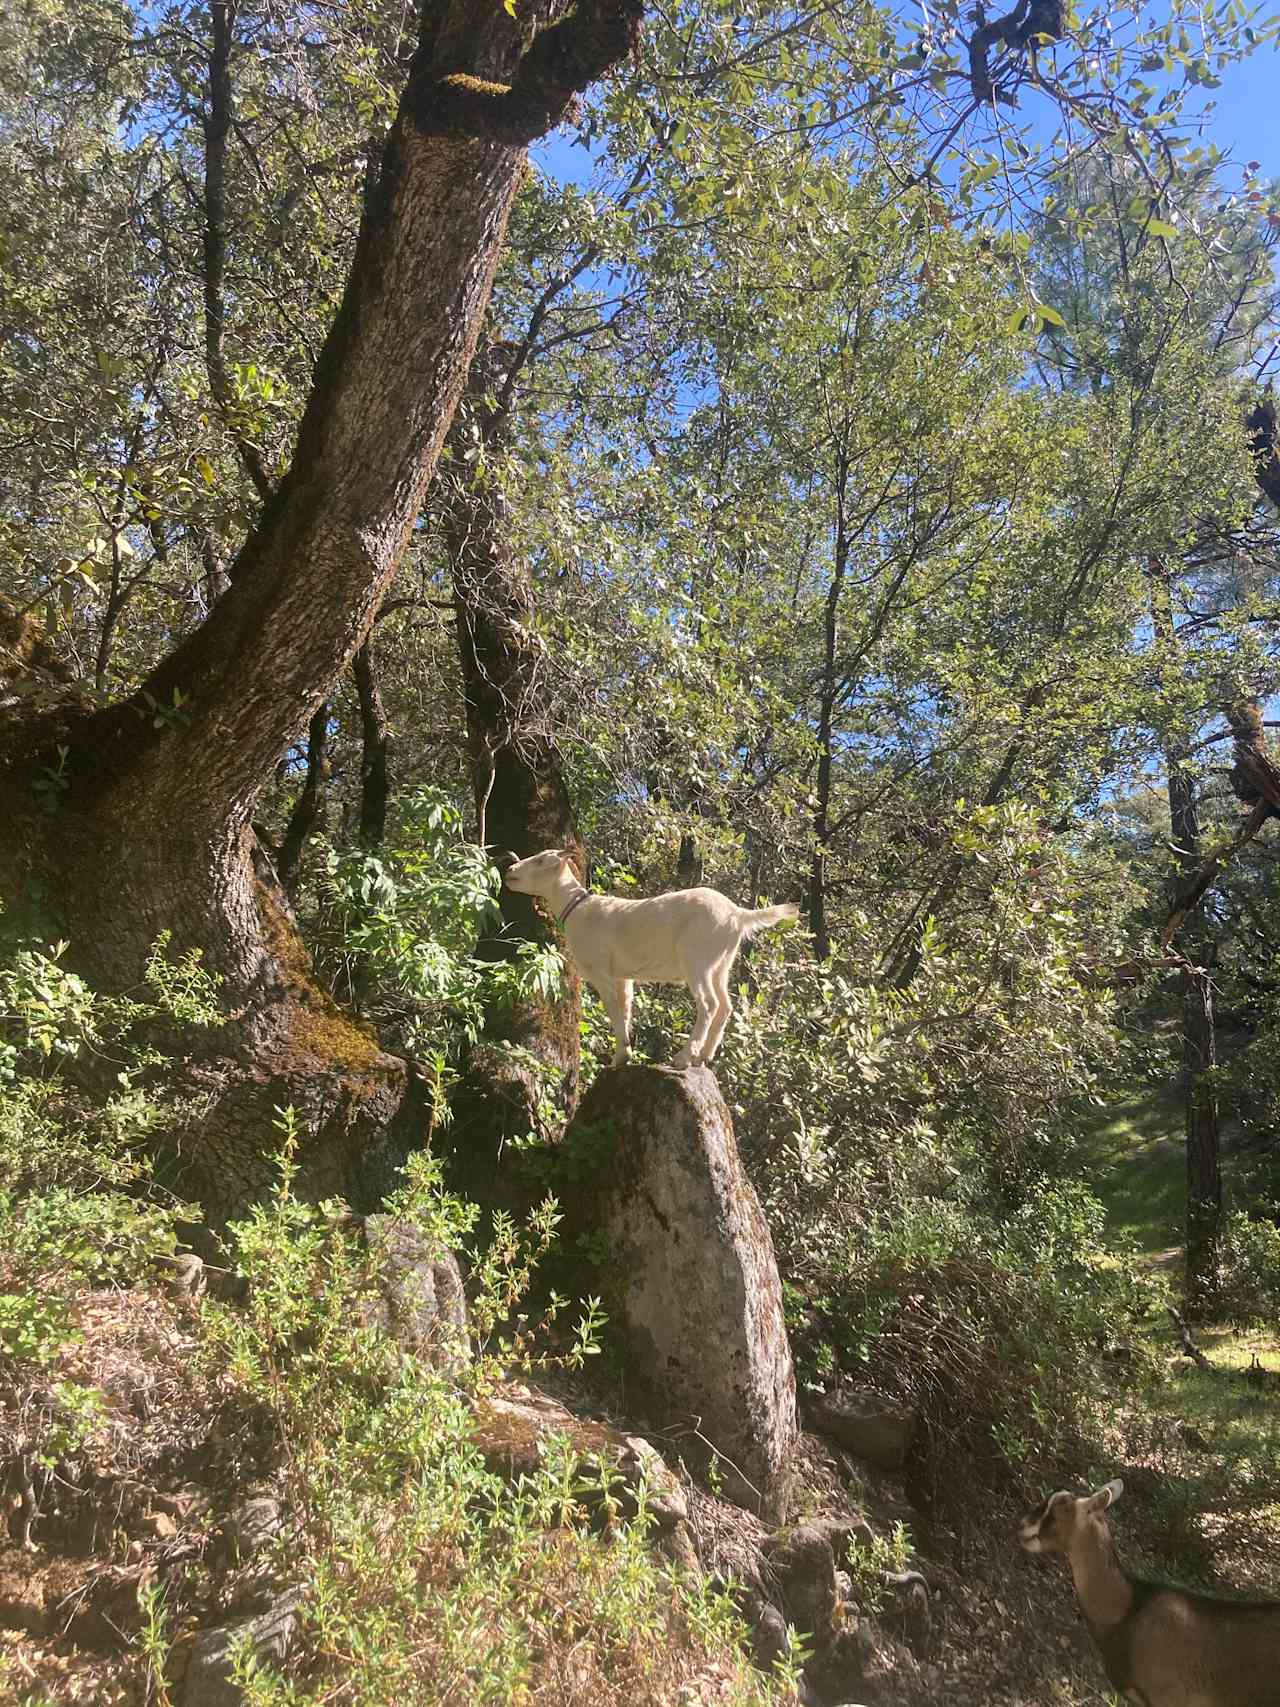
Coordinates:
[422,1305]
[867,1425]
[516,1426]
[210,1681]
[671,1234]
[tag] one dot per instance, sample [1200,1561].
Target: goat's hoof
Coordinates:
[682,1061]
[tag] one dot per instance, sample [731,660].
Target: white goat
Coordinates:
[1162,1646]
[691,936]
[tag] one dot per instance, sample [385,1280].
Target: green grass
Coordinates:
[1209,1440]
[1134,1159]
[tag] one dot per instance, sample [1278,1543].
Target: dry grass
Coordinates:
[567,1616]
[130,1506]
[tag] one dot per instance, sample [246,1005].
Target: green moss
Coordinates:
[318,1025]
[332,1035]
[513,1442]
[462,84]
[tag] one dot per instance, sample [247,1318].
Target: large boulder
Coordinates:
[868,1425]
[671,1234]
[422,1305]
[210,1673]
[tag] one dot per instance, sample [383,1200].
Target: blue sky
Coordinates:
[1247,119]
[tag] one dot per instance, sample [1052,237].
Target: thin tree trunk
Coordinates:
[309,804]
[688,862]
[522,801]
[1264,442]
[375,750]
[1199,1057]
[1199,1034]
[1204,1180]
[817,903]
[217,132]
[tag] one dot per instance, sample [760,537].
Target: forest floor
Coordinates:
[1198,1448]
[1211,1435]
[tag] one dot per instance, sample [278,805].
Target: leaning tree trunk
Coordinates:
[135,819]
[522,802]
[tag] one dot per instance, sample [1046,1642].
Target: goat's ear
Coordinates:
[1105,1496]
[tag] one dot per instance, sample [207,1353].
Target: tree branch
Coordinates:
[562,61]
[217,121]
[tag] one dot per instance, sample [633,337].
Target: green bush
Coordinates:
[79,1099]
[909,1145]
[78,1103]
[1248,1277]
[394,932]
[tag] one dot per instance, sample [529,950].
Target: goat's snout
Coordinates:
[503,859]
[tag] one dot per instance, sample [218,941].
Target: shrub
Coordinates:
[1248,1278]
[78,1205]
[430,1577]
[394,932]
[909,1147]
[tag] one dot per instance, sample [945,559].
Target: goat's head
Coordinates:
[541,873]
[1063,1519]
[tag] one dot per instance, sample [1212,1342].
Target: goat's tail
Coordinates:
[762,917]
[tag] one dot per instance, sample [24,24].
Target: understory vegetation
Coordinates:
[427,1573]
[977,1282]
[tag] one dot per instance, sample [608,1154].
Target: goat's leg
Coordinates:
[626,991]
[724,1007]
[616,995]
[704,994]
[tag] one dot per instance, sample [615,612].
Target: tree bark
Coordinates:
[1199,1057]
[817,907]
[1199,1032]
[1204,1179]
[217,120]
[1264,442]
[522,801]
[375,749]
[151,799]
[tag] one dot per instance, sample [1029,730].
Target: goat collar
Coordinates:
[582,895]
